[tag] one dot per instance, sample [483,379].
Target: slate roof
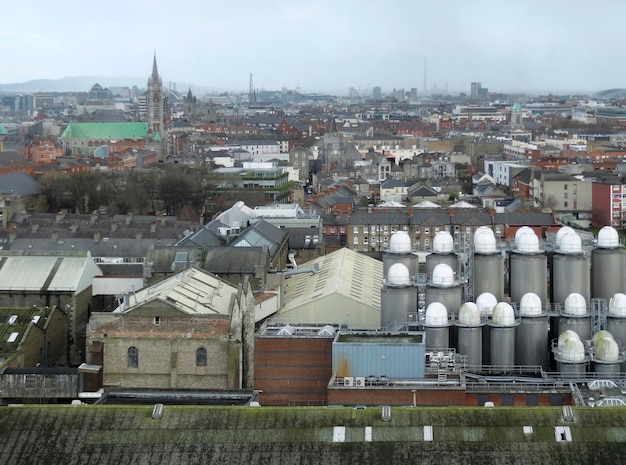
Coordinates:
[237,260]
[525,218]
[11,156]
[261,234]
[379,217]
[18,183]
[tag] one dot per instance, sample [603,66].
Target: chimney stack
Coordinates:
[55,235]
[94,216]
[34,228]
[96,236]
[139,236]
[129,218]
[60,216]
[113,226]
[153,227]
[74,227]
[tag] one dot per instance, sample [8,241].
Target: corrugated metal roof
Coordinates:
[120,130]
[191,291]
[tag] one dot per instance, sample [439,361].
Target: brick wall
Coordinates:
[292,370]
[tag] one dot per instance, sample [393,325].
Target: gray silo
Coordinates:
[470,333]
[607,356]
[570,354]
[607,265]
[486,303]
[488,271]
[502,335]
[437,326]
[576,316]
[444,288]
[570,268]
[442,252]
[398,296]
[400,251]
[528,268]
[616,320]
[531,336]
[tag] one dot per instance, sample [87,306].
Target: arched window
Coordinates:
[133,357]
[201,357]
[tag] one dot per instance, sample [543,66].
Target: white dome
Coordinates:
[398,275]
[484,241]
[573,351]
[602,334]
[608,238]
[469,314]
[503,315]
[400,242]
[566,335]
[527,242]
[606,350]
[486,301]
[436,315]
[522,230]
[443,242]
[561,232]
[575,304]
[530,305]
[617,305]
[443,275]
[570,243]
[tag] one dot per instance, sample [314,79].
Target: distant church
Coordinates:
[155,112]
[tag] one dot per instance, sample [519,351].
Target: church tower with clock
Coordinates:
[155,111]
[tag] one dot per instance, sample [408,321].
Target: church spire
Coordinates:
[155,70]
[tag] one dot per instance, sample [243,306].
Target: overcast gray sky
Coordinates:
[322,45]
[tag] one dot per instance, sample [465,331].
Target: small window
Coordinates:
[157,320]
[201,358]
[133,357]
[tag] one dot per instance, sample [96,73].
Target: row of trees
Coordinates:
[174,190]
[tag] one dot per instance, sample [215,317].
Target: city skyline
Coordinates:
[323,47]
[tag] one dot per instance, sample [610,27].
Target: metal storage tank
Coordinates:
[442,252]
[528,268]
[503,323]
[400,251]
[437,326]
[570,268]
[607,265]
[470,334]
[486,302]
[398,296]
[531,336]
[606,354]
[570,354]
[488,271]
[576,317]
[444,288]
[616,320]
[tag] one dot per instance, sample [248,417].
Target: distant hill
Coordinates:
[71,84]
[611,94]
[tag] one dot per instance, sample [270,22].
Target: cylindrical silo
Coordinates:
[531,336]
[436,326]
[576,317]
[442,252]
[445,289]
[570,269]
[400,252]
[570,354]
[488,271]
[486,303]
[528,268]
[616,320]
[503,324]
[606,354]
[607,265]
[470,334]
[398,296]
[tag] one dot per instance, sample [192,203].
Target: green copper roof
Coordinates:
[157,137]
[2,130]
[105,131]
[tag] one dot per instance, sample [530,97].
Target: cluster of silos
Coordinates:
[486,303]
[470,323]
[502,325]
[436,325]
[442,253]
[616,321]
[527,266]
[398,295]
[607,355]
[570,267]
[488,265]
[607,265]
[570,354]
[575,316]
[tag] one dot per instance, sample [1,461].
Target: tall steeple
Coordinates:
[155,70]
